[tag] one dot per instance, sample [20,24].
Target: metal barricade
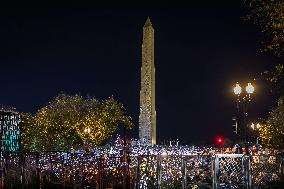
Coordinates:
[266,169]
[230,170]
[162,171]
[149,168]
[170,173]
[198,172]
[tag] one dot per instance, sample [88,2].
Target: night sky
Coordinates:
[201,50]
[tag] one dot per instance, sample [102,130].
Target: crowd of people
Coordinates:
[110,163]
[246,150]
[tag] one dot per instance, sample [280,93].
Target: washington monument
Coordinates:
[147,118]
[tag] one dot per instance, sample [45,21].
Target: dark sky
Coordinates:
[201,50]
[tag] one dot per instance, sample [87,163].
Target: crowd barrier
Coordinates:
[136,171]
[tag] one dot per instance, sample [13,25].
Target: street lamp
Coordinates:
[87,131]
[243,98]
[238,90]
[255,128]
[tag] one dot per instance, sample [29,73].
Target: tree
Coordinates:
[62,124]
[269,15]
[271,133]
[276,79]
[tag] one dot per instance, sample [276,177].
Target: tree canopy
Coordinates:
[69,120]
[272,132]
[269,15]
[276,79]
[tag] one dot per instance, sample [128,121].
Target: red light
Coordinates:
[219,140]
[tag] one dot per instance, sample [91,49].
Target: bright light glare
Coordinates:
[87,130]
[219,140]
[164,154]
[258,126]
[249,88]
[252,126]
[237,89]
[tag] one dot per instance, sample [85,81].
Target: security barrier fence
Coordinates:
[135,171]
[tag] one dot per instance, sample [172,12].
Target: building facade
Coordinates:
[10,131]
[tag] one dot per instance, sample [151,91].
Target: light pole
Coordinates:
[87,131]
[255,128]
[242,101]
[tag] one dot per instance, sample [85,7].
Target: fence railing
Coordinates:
[87,170]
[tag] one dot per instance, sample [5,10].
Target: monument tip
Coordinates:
[148,22]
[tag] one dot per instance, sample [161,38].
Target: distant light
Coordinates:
[249,88]
[237,89]
[255,126]
[87,130]
[219,140]
[164,154]
[252,126]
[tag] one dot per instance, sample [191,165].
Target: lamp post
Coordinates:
[255,128]
[242,101]
[87,131]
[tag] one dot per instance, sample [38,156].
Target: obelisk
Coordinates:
[147,118]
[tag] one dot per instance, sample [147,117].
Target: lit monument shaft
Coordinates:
[147,118]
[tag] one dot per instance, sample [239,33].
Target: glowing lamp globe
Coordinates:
[249,88]
[237,89]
